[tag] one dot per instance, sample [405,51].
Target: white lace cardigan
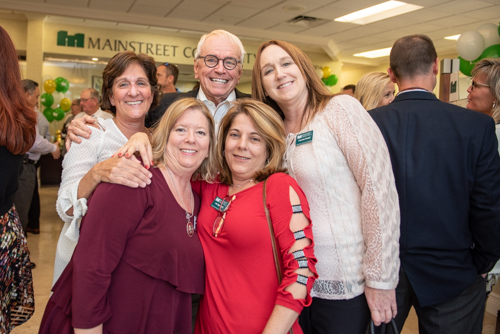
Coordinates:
[347,176]
[77,162]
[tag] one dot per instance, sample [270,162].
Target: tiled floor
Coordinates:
[43,246]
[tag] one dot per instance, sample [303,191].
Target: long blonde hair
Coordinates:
[161,133]
[370,88]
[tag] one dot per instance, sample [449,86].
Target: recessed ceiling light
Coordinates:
[378,12]
[293,8]
[452,38]
[375,53]
[95,59]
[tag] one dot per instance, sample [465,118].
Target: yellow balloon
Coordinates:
[49,86]
[326,72]
[65,104]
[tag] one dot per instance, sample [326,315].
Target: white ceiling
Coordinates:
[255,21]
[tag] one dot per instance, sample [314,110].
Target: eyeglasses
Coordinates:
[474,84]
[229,63]
[221,216]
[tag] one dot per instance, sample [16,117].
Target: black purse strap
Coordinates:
[371,327]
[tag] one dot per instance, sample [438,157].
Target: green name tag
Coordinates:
[304,138]
[219,204]
[216,203]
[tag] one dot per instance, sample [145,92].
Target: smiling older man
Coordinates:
[218,65]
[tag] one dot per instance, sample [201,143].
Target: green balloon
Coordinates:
[492,51]
[62,85]
[47,99]
[467,66]
[332,80]
[324,80]
[49,114]
[58,114]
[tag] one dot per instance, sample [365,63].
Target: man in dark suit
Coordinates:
[447,171]
[218,64]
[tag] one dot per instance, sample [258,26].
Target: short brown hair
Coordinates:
[162,129]
[117,65]
[491,69]
[269,126]
[318,94]
[412,55]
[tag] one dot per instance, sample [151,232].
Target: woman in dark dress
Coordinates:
[139,259]
[17,135]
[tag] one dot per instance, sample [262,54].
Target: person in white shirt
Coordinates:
[27,178]
[89,102]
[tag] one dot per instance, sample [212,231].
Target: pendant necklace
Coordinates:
[239,185]
[189,225]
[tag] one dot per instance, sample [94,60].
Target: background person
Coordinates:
[17,135]
[167,74]
[339,158]
[447,171]
[349,90]
[135,268]
[129,89]
[375,89]
[90,105]
[484,97]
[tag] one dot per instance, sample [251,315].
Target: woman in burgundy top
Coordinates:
[139,258]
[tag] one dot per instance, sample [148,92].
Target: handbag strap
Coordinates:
[273,241]
[371,327]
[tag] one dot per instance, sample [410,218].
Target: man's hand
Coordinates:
[139,142]
[77,129]
[57,153]
[127,172]
[382,304]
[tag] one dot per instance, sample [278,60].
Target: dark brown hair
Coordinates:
[117,65]
[412,55]
[17,118]
[270,127]
[318,94]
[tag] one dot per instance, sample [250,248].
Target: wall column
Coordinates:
[34,48]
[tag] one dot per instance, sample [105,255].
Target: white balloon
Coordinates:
[319,72]
[470,45]
[490,34]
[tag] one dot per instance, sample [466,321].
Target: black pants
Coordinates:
[462,314]
[34,212]
[324,316]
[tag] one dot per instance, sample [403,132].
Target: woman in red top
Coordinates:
[242,292]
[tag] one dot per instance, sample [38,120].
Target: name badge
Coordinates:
[304,138]
[216,203]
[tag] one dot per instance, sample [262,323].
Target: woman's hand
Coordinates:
[281,320]
[382,304]
[78,129]
[127,172]
[139,142]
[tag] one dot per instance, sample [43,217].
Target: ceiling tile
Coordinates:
[285,27]
[150,10]
[200,6]
[241,12]
[453,21]
[485,13]
[356,33]
[187,14]
[168,4]
[257,4]
[460,6]
[327,29]
[115,6]
[256,24]
[222,19]
[72,3]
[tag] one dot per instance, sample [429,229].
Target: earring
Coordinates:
[267,161]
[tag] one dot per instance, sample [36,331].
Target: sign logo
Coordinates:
[63,39]
[453,87]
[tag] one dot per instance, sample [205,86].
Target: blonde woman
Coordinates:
[375,89]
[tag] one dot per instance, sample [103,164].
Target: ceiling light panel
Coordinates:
[378,12]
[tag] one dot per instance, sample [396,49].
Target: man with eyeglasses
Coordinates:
[218,65]
[167,75]
[89,103]
[447,171]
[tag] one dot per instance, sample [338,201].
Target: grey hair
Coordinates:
[233,39]
[29,86]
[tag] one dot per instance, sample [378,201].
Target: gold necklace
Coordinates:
[189,225]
